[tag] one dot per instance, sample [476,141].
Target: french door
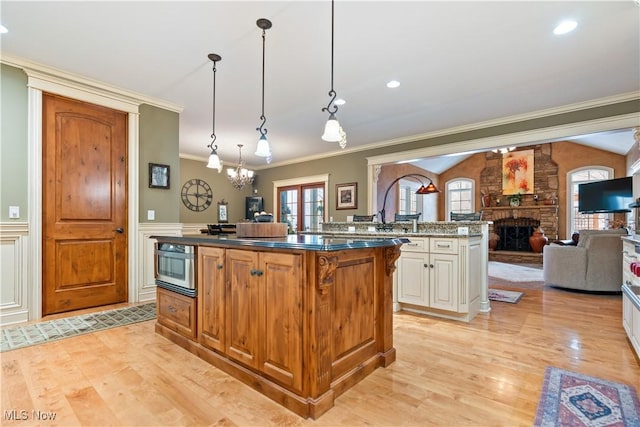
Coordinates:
[301,206]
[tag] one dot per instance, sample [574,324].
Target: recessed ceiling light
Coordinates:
[340,101]
[3,29]
[393,84]
[565,27]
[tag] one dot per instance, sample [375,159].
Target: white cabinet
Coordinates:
[433,276]
[413,278]
[630,294]
[631,315]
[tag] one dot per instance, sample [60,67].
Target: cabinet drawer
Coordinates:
[415,245]
[443,245]
[177,312]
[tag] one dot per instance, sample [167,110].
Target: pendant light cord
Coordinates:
[262,131]
[213,102]
[332,93]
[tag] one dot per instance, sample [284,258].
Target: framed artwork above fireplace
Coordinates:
[517,172]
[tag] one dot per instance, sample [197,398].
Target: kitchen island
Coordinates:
[299,318]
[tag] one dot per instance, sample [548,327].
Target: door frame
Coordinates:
[38,83]
[87,91]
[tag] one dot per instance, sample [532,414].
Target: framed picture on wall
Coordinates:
[158,176]
[517,172]
[223,214]
[253,205]
[347,196]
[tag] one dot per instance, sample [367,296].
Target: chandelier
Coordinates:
[214,160]
[332,130]
[240,176]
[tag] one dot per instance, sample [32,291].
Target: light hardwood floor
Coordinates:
[485,373]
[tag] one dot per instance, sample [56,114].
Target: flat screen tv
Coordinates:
[612,195]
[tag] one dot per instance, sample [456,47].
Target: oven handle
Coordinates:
[174,255]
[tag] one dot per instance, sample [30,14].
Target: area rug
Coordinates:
[514,272]
[23,336]
[505,296]
[573,399]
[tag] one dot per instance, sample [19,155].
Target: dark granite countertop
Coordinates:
[299,241]
[390,234]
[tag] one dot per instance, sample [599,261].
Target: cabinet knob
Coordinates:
[219,266]
[172,309]
[430,265]
[426,265]
[252,272]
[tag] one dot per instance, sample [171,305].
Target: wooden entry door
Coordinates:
[84,187]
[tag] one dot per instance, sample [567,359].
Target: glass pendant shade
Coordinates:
[429,189]
[263,150]
[332,130]
[214,161]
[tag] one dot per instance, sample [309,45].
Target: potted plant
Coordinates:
[515,199]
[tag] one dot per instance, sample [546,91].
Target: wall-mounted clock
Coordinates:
[196,195]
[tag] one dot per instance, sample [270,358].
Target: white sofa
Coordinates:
[595,264]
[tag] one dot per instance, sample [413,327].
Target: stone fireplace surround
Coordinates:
[534,211]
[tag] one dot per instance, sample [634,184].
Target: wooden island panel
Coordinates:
[300,326]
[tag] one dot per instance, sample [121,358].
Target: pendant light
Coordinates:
[263,150]
[332,130]
[214,160]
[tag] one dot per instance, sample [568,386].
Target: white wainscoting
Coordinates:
[193,228]
[14,274]
[146,286]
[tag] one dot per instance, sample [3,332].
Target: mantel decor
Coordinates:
[347,196]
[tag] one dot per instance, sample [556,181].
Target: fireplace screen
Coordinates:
[514,233]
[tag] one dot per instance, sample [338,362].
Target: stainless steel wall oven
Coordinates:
[175,268]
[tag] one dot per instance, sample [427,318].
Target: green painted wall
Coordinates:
[159,144]
[352,167]
[347,168]
[221,189]
[14,186]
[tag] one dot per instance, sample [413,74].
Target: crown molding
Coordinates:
[45,72]
[600,102]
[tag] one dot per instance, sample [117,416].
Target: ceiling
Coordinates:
[459,63]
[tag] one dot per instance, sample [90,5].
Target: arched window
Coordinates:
[460,196]
[580,221]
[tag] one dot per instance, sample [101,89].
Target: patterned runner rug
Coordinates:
[572,399]
[14,337]
[505,296]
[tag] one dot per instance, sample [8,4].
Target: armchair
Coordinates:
[595,264]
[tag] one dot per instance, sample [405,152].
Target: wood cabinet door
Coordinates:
[242,314]
[413,278]
[211,297]
[443,280]
[281,317]
[177,312]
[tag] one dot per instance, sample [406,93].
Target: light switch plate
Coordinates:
[463,230]
[351,229]
[151,215]
[14,212]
